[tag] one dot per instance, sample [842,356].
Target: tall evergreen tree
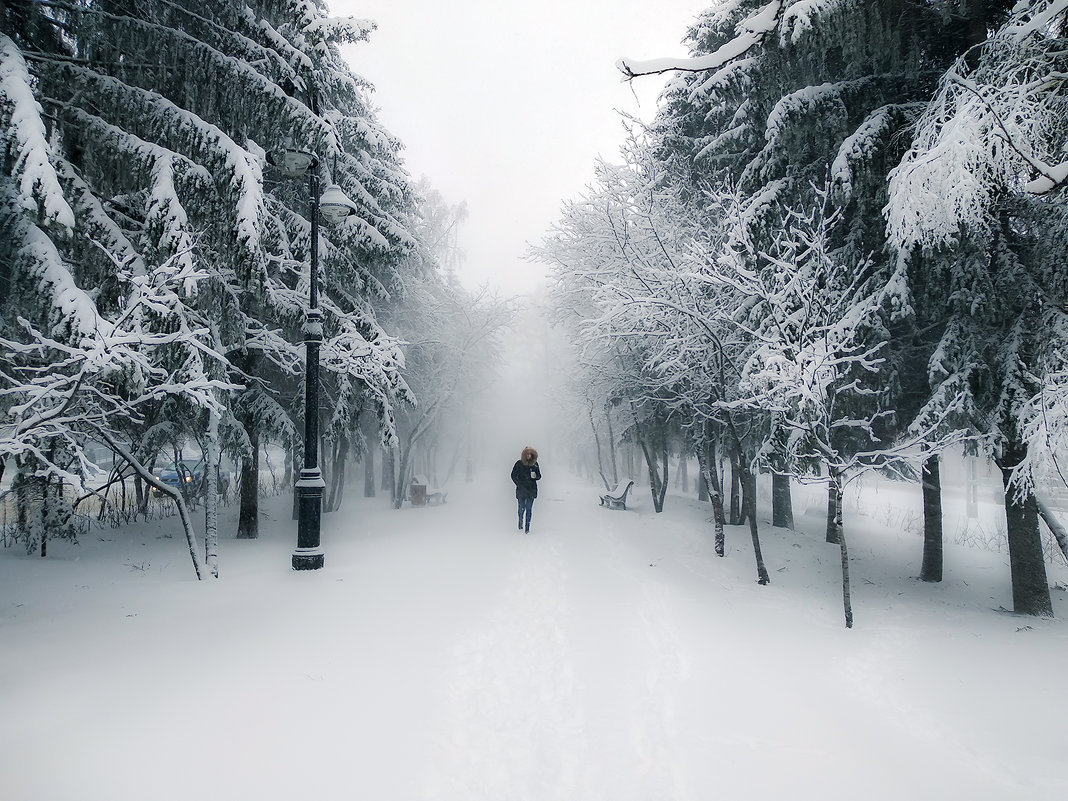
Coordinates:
[976,208]
[135,138]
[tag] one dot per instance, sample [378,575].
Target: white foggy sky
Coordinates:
[507,105]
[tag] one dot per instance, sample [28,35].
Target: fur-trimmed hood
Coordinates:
[529,455]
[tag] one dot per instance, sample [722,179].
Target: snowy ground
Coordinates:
[607,655]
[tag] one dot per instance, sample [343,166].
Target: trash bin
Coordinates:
[417,494]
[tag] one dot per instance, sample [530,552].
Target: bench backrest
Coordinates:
[621,489]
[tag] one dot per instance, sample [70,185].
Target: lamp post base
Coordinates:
[308,559]
[309,488]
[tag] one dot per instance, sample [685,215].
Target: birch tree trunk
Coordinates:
[839,528]
[833,499]
[971,489]
[212,455]
[707,467]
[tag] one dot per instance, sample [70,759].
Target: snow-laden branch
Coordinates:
[751,32]
[993,128]
[23,134]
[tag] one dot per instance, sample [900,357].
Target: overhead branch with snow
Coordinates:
[751,32]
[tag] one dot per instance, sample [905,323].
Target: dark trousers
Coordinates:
[526,506]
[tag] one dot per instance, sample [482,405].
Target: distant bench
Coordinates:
[617,498]
[420,493]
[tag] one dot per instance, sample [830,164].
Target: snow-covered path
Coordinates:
[441,655]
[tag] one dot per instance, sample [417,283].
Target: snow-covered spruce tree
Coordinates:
[781,97]
[976,208]
[138,132]
[96,279]
[822,94]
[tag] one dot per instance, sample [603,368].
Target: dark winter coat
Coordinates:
[525,485]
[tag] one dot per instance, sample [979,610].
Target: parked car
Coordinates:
[188,474]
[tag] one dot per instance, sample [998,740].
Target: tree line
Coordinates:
[837,248]
[154,260]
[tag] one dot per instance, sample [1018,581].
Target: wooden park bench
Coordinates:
[617,498]
[420,493]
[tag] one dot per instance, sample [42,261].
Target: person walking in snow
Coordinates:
[525,475]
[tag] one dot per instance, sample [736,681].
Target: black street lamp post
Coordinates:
[334,207]
[309,553]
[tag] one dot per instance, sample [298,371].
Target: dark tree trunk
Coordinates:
[702,486]
[400,476]
[706,463]
[715,485]
[749,480]
[833,502]
[387,471]
[248,521]
[1027,564]
[612,449]
[654,476]
[337,479]
[736,510]
[664,483]
[141,495]
[368,470]
[931,568]
[657,483]
[782,504]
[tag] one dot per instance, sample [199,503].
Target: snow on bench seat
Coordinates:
[617,498]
